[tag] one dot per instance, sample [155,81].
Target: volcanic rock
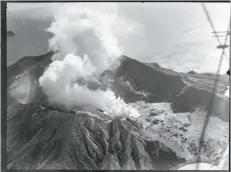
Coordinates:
[184,91]
[40,137]
[43,136]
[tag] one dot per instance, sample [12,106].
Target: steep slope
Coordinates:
[184,91]
[135,81]
[22,78]
[162,85]
[44,137]
[41,136]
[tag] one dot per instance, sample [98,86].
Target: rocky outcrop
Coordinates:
[163,85]
[35,63]
[10,33]
[193,98]
[184,91]
[42,137]
[27,71]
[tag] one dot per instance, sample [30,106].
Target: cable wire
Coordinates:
[211,103]
[213,28]
[211,23]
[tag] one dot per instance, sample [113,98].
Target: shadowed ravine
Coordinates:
[43,136]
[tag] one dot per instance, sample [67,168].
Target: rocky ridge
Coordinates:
[41,136]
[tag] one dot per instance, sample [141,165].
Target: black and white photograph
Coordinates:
[117,85]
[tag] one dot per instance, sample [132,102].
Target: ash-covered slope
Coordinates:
[22,77]
[35,63]
[40,136]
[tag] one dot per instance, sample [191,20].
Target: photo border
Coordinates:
[4,72]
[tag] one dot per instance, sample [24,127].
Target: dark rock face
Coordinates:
[194,97]
[10,33]
[35,63]
[184,91]
[228,72]
[192,72]
[156,112]
[34,68]
[163,85]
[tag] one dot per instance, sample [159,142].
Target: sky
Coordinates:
[172,34]
[24,6]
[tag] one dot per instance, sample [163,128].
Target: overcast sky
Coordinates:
[214,7]
[177,28]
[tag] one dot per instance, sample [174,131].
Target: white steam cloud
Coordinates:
[86,39]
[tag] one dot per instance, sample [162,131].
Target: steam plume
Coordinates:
[85,36]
